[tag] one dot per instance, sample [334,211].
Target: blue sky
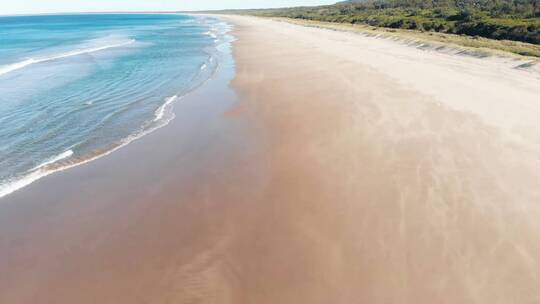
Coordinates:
[54,6]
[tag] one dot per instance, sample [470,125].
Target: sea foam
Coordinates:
[54,159]
[33,175]
[160,112]
[22,64]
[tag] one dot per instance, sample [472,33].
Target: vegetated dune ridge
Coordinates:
[501,19]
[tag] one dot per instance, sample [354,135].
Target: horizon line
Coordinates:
[108,12]
[143,12]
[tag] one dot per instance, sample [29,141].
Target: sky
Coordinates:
[9,7]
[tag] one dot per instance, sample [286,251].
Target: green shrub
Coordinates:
[497,19]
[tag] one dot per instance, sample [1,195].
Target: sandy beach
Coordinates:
[316,167]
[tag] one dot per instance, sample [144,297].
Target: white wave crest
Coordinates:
[211,34]
[54,159]
[35,174]
[160,112]
[19,65]
[10,187]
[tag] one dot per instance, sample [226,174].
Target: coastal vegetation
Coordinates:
[514,20]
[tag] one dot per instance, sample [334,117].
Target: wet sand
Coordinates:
[351,169]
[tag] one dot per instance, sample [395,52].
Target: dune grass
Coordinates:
[473,45]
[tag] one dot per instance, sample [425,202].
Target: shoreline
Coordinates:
[317,167]
[57,221]
[162,117]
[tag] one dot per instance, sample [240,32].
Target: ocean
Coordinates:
[76,87]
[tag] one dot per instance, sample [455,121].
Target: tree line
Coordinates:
[494,8]
[517,20]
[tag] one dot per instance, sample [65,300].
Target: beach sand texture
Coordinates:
[351,169]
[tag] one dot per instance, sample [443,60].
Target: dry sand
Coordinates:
[352,170]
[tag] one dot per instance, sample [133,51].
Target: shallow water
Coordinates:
[76,87]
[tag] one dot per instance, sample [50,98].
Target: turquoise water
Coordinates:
[76,87]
